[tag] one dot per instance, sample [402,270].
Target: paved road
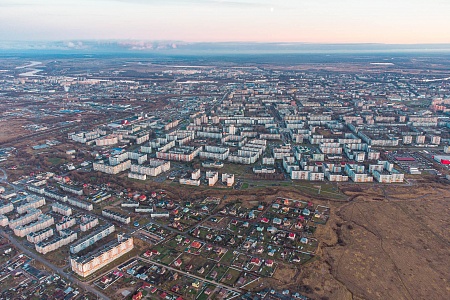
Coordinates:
[56,269]
[192,275]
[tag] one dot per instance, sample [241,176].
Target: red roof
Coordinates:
[196,245]
[405,158]
[255,260]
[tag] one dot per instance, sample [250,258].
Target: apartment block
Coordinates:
[97,235]
[32,215]
[66,237]
[228,179]
[88,222]
[65,223]
[86,265]
[61,209]
[32,202]
[43,222]
[212,177]
[39,236]
[6,208]
[116,216]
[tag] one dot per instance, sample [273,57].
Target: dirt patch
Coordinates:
[391,249]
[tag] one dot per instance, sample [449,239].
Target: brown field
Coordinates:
[10,129]
[393,248]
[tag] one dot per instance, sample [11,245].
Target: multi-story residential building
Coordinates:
[32,215]
[357,174]
[66,237]
[32,202]
[407,139]
[55,195]
[280,152]
[434,139]
[100,233]
[43,222]
[39,236]
[420,139]
[214,153]
[212,177]
[61,209]
[86,265]
[181,153]
[137,176]
[72,189]
[263,170]
[228,179]
[116,216]
[107,168]
[88,222]
[80,204]
[108,140]
[65,223]
[4,221]
[193,180]
[6,208]
[154,168]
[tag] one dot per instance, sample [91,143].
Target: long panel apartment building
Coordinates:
[89,240]
[43,222]
[65,223]
[88,222]
[65,237]
[39,236]
[33,201]
[88,264]
[30,216]
[6,208]
[61,209]
[116,216]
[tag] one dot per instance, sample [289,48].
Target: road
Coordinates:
[56,269]
[192,275]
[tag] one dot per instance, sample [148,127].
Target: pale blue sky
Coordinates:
[321,21]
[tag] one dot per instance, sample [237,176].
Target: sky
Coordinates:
[310,21]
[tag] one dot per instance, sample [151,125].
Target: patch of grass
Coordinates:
[55,161]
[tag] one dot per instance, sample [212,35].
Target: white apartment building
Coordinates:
[43,222]
[86,265]
[116,216]
[66,237]
[80,204]
[66,222]
[39,236]
[6,208]
[88,222]
[101,166]
[32,202]
[214,153]
[154,168]
[30,216]
[212,177]
[61,209]
[90,239]
[228,179]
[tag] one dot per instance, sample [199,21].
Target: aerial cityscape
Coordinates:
[220,166]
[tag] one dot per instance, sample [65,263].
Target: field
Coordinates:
[395,247]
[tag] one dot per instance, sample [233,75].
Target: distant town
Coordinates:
[187,179]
